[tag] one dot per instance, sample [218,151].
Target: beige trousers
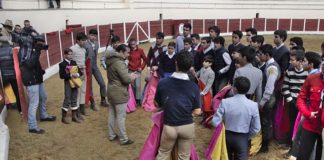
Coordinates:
[184,135]
[82,89]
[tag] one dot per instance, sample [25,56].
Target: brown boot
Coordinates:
[64,119]
[93,106]
[82,110]
[74,116]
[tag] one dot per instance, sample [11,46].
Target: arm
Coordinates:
[63,73]
[286,88]
[161,66]
[103,59]
[255,125]
[143,60]
[302,99]
[218,116]
[210,82]
[228,62]
[285,61]
[149,57]
[258,92]
[123,74]
[273,74]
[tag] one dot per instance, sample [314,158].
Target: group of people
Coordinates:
[190,70]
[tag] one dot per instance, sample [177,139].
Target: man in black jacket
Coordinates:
[32,75]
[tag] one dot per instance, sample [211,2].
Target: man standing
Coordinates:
[250,32]
[281,52]
[241,118]
[51,4]
[92,51]
[32,75]
[180,38]
[79,54]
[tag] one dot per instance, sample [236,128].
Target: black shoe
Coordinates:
[263,149]
[49,118]
[37,131]
[127,142]
[112,139]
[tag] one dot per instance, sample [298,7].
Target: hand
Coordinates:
[202,94]
[10,43]
[33,34]
[75,75]
[313,115]
[139,69]
[104,66]
[133,76]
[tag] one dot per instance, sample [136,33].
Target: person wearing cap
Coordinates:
[6,60]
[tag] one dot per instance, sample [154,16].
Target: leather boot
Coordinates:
[74,116]
[82,110]
[93,106]
[64,119]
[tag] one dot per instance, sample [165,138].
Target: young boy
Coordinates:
[281,52]
[207,47]
[155,52]
[70,94]
[206,78]
[241,119]
[196,42]
[257,42]
[167,61]
[196,57]
[180,38]
[312,62]
[268,100]
[296,41]
[236,40]
[250,32]
[294,79]
[221,65]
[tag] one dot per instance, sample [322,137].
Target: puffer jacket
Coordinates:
[7,64]
[311,91]
[118,79]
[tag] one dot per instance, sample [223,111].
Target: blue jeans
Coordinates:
[36,97]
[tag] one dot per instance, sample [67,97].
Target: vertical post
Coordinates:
[137,35]
[215,22]
[240,24]
[98,36]
[265,24]
[72,38]
[227,25]
[124,26]
[277,23]
[149,29]
[191,22]
[60,45]
[318,24]
[204,26]
[85,30]
[162,25]
[290,24]
[252,25]
[47,54]
[304,29]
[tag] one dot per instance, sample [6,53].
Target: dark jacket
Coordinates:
[118,79]
[64,74]
[7,64]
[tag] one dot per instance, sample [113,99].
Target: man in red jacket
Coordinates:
[309,103]
[137,63]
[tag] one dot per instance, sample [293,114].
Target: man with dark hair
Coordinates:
[207,47]
[178,110]
[312,62]
[268,100]
[180,38]
[214,31]
[79,55]
[195,38]
[221,65]
[296,41]
[281,52]
[196,57]
[257,42]
[250,32]
[245,58]
[241,119]
[92,47]
[236,41]
[111,49]
[155,52]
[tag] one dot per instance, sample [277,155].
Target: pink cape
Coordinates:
[298,119]
[217,132]
[131,105]
[148,101]
[152,143]
[281,122]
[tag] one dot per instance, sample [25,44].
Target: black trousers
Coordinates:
[237,145]
[293,112]
[14,86]
[266,116]
[307,143]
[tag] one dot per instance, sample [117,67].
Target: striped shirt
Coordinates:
[293,82]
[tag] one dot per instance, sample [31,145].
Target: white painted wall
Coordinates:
[91,12]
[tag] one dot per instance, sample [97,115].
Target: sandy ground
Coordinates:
[88,140]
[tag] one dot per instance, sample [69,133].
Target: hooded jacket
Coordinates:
[118,79]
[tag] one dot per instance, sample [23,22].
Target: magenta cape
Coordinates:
[152,143]
[149,94]
[131,104]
